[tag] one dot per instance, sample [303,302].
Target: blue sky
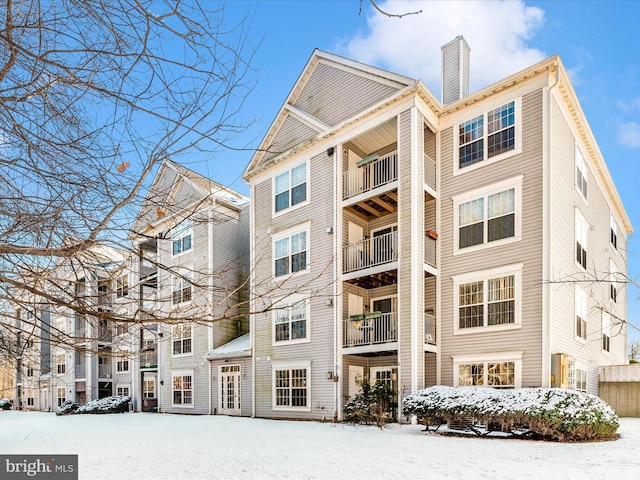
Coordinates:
[596,40]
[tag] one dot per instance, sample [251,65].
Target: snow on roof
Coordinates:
[238,347]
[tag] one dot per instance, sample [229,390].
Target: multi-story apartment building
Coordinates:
[190,282]
[474,241]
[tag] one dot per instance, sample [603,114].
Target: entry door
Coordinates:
[356,374]
[229,391]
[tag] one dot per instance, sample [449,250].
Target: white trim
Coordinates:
[484,275]
[180,355]
[182,373]
[583,309]
[507,184]
[290,365]
[581,234]
[580,164]
[517,149]
[288,302]
[185,229]
[182,274]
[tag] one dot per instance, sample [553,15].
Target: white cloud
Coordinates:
[629,134]
[497,33]
[629,105]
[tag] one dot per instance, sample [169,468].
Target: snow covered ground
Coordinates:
[162,446]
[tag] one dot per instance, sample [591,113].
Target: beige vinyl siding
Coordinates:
[410,269]
[292,132]
[335,94]
[528,251]
[317,283]
[566,273]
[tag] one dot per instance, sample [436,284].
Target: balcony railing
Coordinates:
[370,329]
[370,252]
[429,171]
[429,329]
[149,359]
[81,370]
[430,250]
[104,371]
[370,174]
[105,334]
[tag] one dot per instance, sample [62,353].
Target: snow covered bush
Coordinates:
[5,404]
[548,413]
[371,406]
[67,408]
[104,405]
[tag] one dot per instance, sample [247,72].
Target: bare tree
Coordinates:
[93,96]
[633,350]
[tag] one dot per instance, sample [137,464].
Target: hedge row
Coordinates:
[547,413]
[104,405]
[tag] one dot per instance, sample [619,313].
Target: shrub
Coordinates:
[68,407]
[6,404]
[104,405]
[371,406]
[549,413]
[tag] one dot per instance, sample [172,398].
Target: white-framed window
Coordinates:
[488,217]
[121,328]
[181,238]
[581,174]
[31,401]
[290,188]
[581,314]
[29,371]
[488,300]
[181,335]
[122,364]
[290,251]
[181,288]
[489,137]
[580,379]
[613,237]
[499,370]
[182,389]
[62,395]
[149,388]
[122,286]
[291,386]
[291,320]
[582,228]
[606,332]
[613,281]
[61,365]
[122,390]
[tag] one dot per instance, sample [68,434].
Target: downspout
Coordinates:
[547,178]
[210,326]
[210,385]
[337,340]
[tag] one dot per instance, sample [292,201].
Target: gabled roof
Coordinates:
[176,188]
[330,91]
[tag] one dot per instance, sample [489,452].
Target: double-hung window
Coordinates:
[182,390]
[488,136]
[291,386]
[290,188]
[290,252]
[181,339]
[581,314]
[580,379]
[581,240]
[181,237]
[581,174]
[61,366]
[291,321]
[122,391]
[613,281]
[606,332]
[122,286]
[181,288]
[488,217]
[489,299]
[613,237]
[122,364]
[62,396]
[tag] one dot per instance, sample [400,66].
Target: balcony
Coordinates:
[430,242]
[371,252]
[371,173]
[430,171]
[104,370]
[429,329]
[370,329]
[81,370]
[149,359]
